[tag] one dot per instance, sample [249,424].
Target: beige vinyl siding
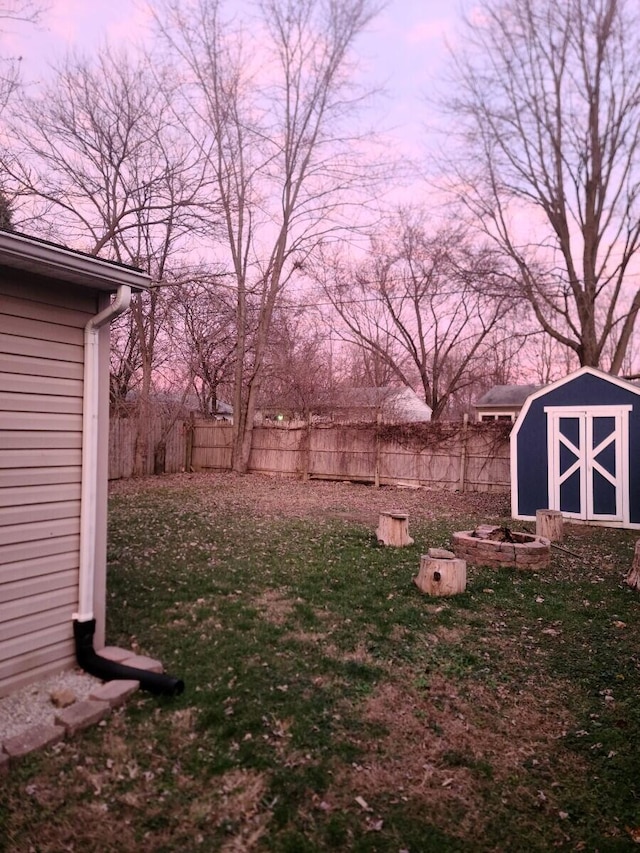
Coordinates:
[36,568]
[38,476]
[38,549]
[10,628]
[41,368]
[25,495]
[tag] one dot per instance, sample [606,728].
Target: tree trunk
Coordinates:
[393,529]
[160,458]
[633,576]
[549,524]
[441,573]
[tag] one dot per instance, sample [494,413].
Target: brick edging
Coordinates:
[78,716]
[530,554]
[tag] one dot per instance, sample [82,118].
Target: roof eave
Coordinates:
[32,255]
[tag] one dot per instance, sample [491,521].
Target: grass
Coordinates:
[331,706]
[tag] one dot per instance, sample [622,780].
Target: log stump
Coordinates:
[441,573]
[393,529]
[549,524]
[633,576]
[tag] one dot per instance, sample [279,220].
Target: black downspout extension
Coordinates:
[108,670]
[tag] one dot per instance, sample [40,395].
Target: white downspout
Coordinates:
[90,406]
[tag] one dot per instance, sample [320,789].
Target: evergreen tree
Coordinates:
[6,223]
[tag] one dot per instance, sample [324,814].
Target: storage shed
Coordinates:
[575,447]
[55,310]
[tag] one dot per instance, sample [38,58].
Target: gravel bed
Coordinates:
[32,705]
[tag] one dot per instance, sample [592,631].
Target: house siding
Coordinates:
[41,368]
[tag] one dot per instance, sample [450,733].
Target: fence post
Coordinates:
[463,453]
[190,429]
[376,471]
[304,449]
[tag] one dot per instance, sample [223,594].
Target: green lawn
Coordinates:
[331,706]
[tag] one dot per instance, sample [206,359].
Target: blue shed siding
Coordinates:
[533,454]
[532,451]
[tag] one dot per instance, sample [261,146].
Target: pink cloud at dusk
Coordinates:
[429,30]
[77,23]
[406,52]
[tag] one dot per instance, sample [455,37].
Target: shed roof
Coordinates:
[31,254]
[543,390]
[507,395]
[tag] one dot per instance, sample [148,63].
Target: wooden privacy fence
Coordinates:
[456,457]
[471,457]
[164,450]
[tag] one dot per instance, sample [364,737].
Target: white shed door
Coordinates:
[587,477]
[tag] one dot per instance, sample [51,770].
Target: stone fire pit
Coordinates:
[499,546]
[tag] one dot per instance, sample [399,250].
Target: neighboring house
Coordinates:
[393,405]
[503,402]
[356,405]
[224,412]
[575,447]
[169,402]
[55,309]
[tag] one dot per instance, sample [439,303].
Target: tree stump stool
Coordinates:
[549,524]
[441,573]
[633,576]
[393,528]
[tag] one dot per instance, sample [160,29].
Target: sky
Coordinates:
[404,50]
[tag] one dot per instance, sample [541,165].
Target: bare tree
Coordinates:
[96,157]
[423,306]
[98,164]
[297,364]
[506,361]
[11,12]
[271,113]
[366,367]
[204,324]
[544,359]
[547,98]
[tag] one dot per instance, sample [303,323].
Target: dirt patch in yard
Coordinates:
[274,606]
[441,749]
